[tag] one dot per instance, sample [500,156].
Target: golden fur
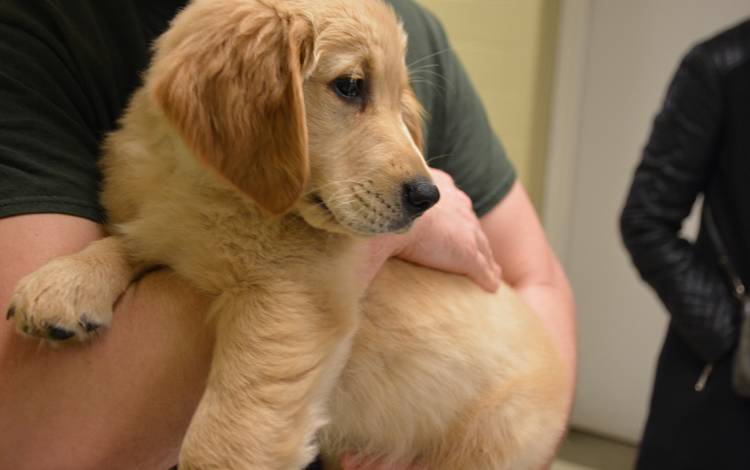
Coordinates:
[239,168]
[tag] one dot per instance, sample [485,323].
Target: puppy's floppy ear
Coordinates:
[413,115]
[228,75]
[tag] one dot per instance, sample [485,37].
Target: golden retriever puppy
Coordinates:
[269,139]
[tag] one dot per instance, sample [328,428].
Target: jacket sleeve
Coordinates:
[676,165]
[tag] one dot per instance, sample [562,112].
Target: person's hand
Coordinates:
[448,237]
[357,462]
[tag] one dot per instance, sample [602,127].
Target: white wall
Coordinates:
[616,58]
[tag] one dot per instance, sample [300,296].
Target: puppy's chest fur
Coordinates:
[223,246]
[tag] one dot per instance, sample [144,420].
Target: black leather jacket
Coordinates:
[699,144]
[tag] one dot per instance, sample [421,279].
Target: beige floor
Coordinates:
[583,451]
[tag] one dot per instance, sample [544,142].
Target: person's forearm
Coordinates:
[691,286]
[121,402]
[531,268]
[553,302]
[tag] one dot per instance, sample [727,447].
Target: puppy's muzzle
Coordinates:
[418,196]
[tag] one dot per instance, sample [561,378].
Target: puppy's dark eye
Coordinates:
[350,88]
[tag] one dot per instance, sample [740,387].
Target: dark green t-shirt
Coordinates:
[67,68]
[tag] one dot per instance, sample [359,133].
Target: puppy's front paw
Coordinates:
[67,298]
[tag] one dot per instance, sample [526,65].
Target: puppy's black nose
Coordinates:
[419,195]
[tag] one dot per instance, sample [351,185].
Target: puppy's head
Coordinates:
[300,104]
[368,175]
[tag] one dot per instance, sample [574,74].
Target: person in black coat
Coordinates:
[699,145]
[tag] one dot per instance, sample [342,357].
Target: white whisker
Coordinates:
[427,57]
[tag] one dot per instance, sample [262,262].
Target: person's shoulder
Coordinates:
[727,49]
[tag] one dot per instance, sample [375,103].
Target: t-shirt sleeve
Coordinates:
[474,155]
[459,138]
[47,149]
[66,71]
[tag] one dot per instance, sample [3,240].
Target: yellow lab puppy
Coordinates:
[269,139]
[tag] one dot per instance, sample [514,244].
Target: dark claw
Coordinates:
[87,324]
[11,313]
[59,333]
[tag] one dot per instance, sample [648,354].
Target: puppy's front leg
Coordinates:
[276,358]
[73,296]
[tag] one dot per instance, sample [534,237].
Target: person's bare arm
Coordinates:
[529,265]
[122,401]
